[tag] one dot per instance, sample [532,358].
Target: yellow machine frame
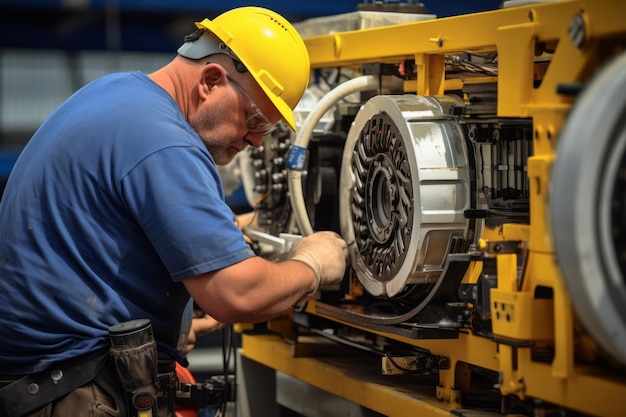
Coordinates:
[579,36]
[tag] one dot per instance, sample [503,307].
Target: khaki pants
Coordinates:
[87,401]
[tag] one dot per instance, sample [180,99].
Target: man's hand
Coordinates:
[201,326]
[326,253]
[245,219]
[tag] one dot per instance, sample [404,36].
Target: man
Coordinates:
[115,211]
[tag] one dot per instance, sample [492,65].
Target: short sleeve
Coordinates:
[177,199]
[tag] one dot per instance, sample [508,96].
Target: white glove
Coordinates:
[326,253]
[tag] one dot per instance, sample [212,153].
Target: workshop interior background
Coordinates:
[50,48]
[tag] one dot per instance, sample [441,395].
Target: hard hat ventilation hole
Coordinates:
[279,24]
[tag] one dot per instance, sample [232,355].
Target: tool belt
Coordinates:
[140,379]
[34,391]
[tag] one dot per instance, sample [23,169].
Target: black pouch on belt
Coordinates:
[32,392]
[147,374]
[167,385]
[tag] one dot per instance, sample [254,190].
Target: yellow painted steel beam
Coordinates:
[469,348]
[513,33]
[354,378]
[587,390]
[541,270]
[473,32]
[431,74]
[516,49]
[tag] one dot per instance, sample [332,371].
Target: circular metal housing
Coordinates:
[404,186]
[588,207]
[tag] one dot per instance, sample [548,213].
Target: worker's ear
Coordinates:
[212,75]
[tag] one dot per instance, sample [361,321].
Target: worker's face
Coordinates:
[230,118]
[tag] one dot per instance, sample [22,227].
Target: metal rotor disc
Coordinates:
[403,189]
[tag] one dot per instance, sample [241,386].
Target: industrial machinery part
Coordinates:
[476,166]
[405,185]
[588,207]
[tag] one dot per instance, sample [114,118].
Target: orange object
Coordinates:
[184,375]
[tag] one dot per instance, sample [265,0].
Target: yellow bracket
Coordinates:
[518,315]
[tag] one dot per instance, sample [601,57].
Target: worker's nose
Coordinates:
[255,139]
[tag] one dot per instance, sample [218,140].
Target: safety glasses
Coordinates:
[258,122]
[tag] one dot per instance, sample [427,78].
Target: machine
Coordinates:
[476,166]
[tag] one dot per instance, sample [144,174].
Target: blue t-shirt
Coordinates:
[113,202]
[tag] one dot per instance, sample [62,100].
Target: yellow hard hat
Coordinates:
[269,47]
